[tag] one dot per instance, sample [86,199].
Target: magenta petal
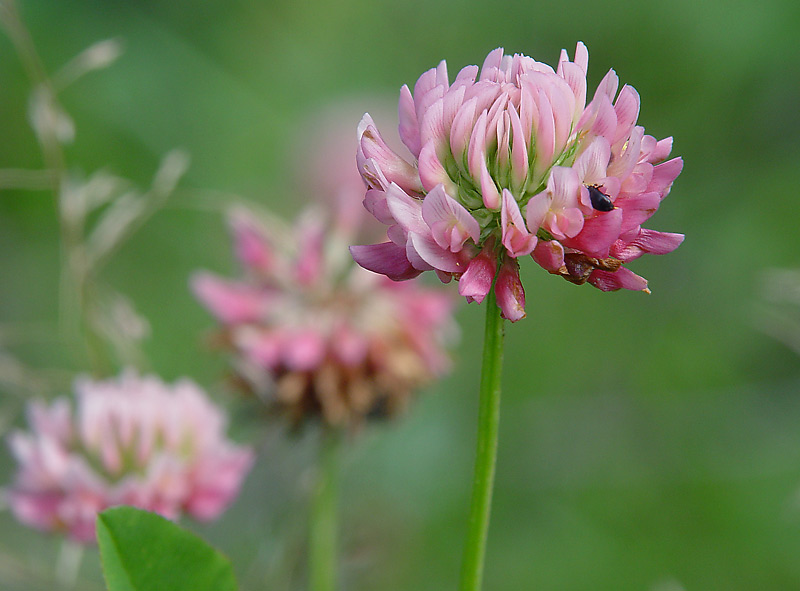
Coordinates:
[621,279]
[509,291]
[598,234]
[386,258]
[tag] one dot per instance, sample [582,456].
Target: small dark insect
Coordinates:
[600,201]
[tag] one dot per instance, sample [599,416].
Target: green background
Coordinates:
[647,442]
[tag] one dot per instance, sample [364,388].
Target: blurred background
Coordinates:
[646,443]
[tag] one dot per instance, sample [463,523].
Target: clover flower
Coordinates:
[510,161]
[314,334]
[126,441]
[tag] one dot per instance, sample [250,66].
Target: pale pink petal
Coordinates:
[375,203]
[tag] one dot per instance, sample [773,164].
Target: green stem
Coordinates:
[322,538]
[486,454]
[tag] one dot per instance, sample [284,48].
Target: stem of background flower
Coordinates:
[74,314]
[323,534]
[68,564]
[486,454]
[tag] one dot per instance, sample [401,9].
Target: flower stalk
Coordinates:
[324,522]
[486,452]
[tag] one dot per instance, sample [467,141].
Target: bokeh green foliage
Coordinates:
[647,442]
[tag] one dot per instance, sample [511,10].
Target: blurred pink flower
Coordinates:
[127,441]
[315,334]
[514,159]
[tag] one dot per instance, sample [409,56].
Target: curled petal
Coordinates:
[386,258]
[648,242]
[393,167]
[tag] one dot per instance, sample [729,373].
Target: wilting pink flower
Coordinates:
[126,441]
[313,333]
[512,158]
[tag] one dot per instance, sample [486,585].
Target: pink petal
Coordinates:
[406,210]
[626,108]
[450,223]
[375,203]
[230,302]
[664,174]
[509,291]
[536,210]
[598,234]
[621,279]
[251,244]
[432,171]
[393,167]
[516,238]
[489,192]
[519,151]
[648,242]
[436,256]
[549,254]
[461,129]
[386,258]
[477,280]
[408,126]
[637,209]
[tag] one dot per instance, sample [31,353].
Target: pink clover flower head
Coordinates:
[315,335]
[133,440]
[512,157]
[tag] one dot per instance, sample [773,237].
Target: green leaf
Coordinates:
[142,551]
